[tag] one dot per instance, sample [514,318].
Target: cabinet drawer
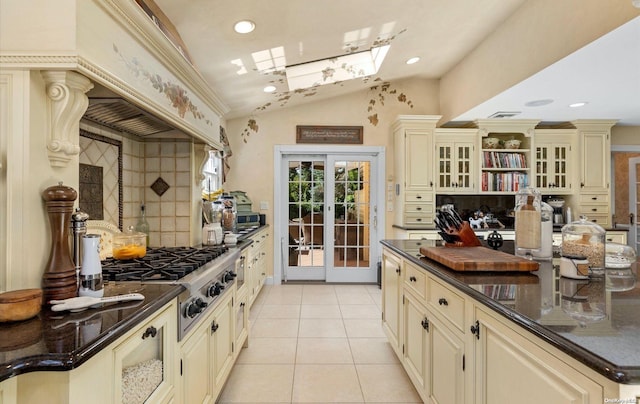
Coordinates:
[418,218]
[589,210]
[424,235]
[602,220]
[416,280]
[418,208]
[446,302]
[616,237]
[594,198]
[417,196]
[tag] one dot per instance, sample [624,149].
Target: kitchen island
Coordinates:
[498,337]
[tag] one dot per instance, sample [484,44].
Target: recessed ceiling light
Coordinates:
[412,60]
[244,27]
[578,104]
[269,89]
[538,103]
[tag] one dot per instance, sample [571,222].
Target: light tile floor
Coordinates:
[318,344]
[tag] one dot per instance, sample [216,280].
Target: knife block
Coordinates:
[466,235]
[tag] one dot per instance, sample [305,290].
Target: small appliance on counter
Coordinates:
[91,269]
[245,217]
[558,210]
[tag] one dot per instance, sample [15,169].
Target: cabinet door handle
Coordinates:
[418,197]
[214,327]
[418,208]
[412,278]
[595,198]
[150,332]
[443,302]
[475,329]
[398,270]
[419,219]
[630,218]
[582,185]
[425,323]
[594,209]
[430,183]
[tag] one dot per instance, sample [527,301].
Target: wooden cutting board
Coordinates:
[477,259]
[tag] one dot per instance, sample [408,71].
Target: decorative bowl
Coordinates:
[512,144]
[491,143]
[18,305]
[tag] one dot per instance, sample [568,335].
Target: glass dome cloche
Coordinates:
[583,238]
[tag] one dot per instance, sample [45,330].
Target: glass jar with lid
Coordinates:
[586,239]
[528,222]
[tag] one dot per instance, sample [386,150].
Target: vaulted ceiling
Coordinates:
[441,33]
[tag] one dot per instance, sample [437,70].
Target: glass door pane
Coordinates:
[354,219]
[306,219]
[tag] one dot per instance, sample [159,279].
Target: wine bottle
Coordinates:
[143,226]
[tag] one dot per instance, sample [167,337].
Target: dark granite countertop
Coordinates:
[595,321]
[58,341]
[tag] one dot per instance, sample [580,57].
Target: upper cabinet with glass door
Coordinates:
[554,162]
[455,160]
[506,154]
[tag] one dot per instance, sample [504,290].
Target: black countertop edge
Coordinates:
[618,374]
[65,361]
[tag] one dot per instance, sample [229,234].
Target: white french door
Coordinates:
[329,222]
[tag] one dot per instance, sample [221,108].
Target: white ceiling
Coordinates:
[605,73]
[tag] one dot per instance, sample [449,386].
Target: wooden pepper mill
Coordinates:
[59,279]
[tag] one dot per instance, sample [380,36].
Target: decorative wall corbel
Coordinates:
[66,103]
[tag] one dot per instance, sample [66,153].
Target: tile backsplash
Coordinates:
[169,215]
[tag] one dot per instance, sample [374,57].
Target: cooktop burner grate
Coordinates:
[161,264]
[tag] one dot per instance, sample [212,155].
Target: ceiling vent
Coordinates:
[504,114]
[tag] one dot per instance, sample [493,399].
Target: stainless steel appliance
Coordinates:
[207,274]
[558,209]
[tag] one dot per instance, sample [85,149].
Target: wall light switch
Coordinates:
[264,205]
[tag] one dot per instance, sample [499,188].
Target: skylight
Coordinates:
[341,68]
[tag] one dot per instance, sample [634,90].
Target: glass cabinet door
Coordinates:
[143,366]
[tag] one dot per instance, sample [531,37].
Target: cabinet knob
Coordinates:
[582,185]
[425,323]
[418,208]
[595,198]
[443,302]
[475,329]
[398,270]
[412,279]
[214,327]
[150,332]
[418,197]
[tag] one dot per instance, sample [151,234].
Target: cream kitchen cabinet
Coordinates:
[509,367]
[256,264]
[241,309]
[9,391]
[595,154]
[391,299]
[207,354]
[413,173]
[554,161]
[455,160]
[433,353]
[595,170]
[146,348]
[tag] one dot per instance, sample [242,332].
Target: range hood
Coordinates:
[122,116]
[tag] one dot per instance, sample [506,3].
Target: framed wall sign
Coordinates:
[329,134]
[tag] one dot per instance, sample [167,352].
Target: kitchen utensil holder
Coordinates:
[466,237]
